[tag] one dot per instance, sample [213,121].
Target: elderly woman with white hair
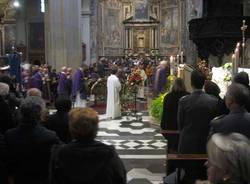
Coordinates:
[6,115]
[228,159]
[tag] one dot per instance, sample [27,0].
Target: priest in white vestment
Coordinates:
[113,109]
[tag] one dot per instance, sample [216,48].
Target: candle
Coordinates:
[237,59]
[178,59]
[171,59]
[171,65]
[181,57]
[233,64]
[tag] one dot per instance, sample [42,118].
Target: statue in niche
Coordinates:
[127,11]
[154,12]
[141,41]
[141,9]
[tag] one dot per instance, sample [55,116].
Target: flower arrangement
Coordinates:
[204,69]
[156,106]
[228,75]
[134,80]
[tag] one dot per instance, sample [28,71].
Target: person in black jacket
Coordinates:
[29,145]
[170,108]
[195,111]
[85,160]
[59,122]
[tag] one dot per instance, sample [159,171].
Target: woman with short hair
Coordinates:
[85,160]
[228,159]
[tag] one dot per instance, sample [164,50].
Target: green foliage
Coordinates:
[228,75]
[156,106]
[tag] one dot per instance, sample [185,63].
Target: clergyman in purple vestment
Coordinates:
[36,81]
[78,89]
[62,85]
[161,78]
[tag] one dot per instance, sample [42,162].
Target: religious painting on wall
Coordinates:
[113,4]
[36,36]
[112,28]
[169,3]
[9,38]
[141,9]
[169,27]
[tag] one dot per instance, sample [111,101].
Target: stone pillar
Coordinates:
[189,48]
[62,33]
[85,27]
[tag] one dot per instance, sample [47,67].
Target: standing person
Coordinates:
[170,108]
[79,93]
[84,159]
[161,77]
[36,79]
[113,109]
[62,84]
[69,81]
[195,111]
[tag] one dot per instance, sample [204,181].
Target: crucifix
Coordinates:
[243,29]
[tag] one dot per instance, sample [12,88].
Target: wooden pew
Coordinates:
[171,135]
[180,160]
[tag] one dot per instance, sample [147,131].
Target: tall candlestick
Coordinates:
[243,29]
[181,57]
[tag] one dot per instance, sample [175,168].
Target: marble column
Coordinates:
[62,33]
[189,48]
[85,27]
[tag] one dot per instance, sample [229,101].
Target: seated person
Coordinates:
[85,160]
[34,92]
[29,145]
[213,89]
[228,159]
[238,120]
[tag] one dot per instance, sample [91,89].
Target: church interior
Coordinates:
[133,62]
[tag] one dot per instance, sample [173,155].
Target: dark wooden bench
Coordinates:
[172,136]
[170,132]
[181,160]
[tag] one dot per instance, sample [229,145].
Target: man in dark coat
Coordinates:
[29,146]
[195,111]
[238,120]
[59,122]
[85,160]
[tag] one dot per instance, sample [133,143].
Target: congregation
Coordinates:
[38,147]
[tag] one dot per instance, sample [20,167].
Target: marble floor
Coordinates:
[140,146]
